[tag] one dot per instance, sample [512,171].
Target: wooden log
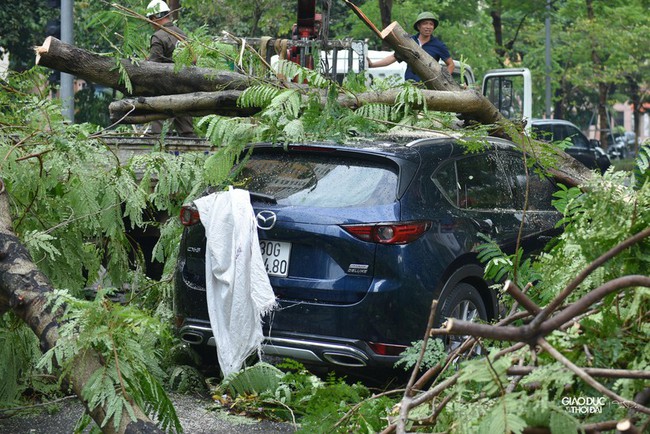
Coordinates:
[433,75]
[468,103]
[145,109]
[146,78]
[133,110]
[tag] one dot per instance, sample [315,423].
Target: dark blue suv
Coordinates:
[359,238]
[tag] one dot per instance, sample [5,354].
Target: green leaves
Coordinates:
[434,354]
[73,203]
[40,241]
[502,420]
[129,343]
[291,71]
[19,352]
[499,266]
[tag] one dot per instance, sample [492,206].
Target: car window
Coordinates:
[560,132]
[319,181]
[574,134]
[540,188]
[446,180]
[543,132]
[476,182]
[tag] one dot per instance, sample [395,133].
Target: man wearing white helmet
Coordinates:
[161,49]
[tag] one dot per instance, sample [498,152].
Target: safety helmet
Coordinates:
[157,9]
[425,16]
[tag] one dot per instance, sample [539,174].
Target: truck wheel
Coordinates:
[465,303]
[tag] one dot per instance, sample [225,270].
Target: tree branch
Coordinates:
[587,378]
[23,289]
[594,372]
[557,301]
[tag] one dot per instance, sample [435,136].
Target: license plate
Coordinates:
[275,255]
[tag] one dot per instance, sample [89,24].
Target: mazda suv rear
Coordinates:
[358,239]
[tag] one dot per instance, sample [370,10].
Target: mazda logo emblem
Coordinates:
[265,220]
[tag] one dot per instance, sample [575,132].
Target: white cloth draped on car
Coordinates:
[237,286]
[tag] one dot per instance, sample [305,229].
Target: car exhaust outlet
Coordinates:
[192,338]
[342,359]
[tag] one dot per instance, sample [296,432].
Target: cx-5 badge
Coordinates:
[265,220]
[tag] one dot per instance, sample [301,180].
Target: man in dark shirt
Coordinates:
[161,49]
[425,24]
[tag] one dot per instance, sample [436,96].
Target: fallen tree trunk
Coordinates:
[205,91]
[146,78]
[23,289]
[133,110]
[433,75]
[146,109]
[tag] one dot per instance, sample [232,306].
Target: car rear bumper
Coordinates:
[309,349]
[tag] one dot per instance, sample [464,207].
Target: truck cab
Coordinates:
[510,90]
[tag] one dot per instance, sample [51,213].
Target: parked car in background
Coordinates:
[620,144]
[364,236]
[582,149]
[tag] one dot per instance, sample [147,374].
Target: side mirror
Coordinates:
[594,143]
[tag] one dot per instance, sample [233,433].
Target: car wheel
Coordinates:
[464,303]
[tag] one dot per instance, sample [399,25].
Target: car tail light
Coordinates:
[386,349]
[189,215]
[389,233]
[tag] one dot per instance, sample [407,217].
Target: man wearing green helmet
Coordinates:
[425,24]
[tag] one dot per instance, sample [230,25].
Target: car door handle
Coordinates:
[485,226]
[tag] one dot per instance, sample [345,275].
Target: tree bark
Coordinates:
[146,109]
[603,87]
[133,110]
[433,75]
[147,78]
[23,289]
[151,79]
[497,25]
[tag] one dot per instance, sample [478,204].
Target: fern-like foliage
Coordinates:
[256,379]
[73,203]
[409,100]
[500,266]
[19,353]
[258,96]
[381,112]
[434,354]
[641,172]
[129,343]
[294,72]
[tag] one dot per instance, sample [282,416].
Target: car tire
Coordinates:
[465,303]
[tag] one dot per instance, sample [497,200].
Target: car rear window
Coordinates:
[323,181]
